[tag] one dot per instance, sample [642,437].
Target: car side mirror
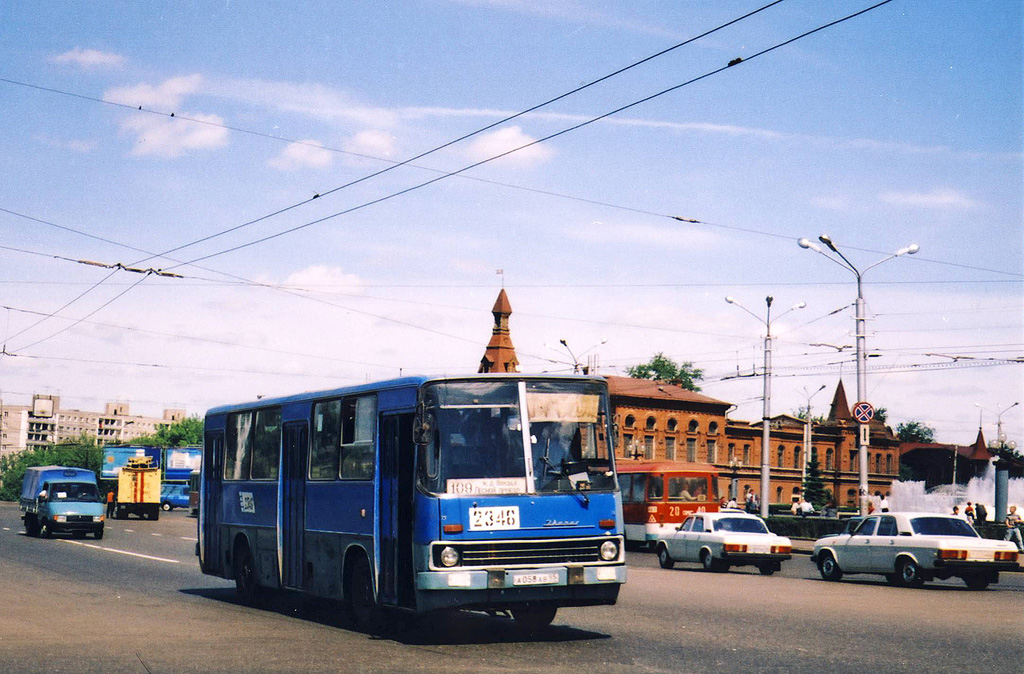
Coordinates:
[679,528]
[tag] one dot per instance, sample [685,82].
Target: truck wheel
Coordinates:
[44,529]
[533,618]
[31,526]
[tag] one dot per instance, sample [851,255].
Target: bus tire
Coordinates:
[247,589]
[533,618]
[664,558]
[362,604]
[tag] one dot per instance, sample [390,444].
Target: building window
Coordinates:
[713,428]
[670,449]
[746,455]
[691,450]
[648,446]
[671,426]
[712,451]
[778,495]
[630,421]
[828,459]
[781,455]
[732,452]
[878,463]
[651,421]
[796,457]
[693,427]
[888,463]
[627,444]
[851,497]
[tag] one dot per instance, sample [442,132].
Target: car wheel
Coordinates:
[767,569]
[708,561]
[829,567]
[166,506]
[977,582]
[664,558]
[533,618]
[908,573]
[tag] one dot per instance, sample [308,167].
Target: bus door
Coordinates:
[210,510]
[395,582]
[293,503]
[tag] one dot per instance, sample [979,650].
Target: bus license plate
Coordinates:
[534,578]
[497,517]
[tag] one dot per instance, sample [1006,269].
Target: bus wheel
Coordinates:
[664,558]
[533,618]
[245,576]
[361,603]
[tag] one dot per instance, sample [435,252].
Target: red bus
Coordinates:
[658,495]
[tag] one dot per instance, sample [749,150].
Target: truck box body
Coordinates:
[138,489]
[59,498]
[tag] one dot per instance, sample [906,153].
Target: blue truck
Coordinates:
[61,499]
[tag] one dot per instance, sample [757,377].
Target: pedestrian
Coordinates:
[795,508]
[806,508]
[731,504]
[969,512]
[883,505]
[980,513]
[956,511]
[110,503]
[1012,532]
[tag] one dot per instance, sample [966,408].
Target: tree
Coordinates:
[801,413]
[664,369]
[915,431]
[83,453]
[881,414]
[188,431]
[814,485]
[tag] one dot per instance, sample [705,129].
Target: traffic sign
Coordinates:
[863,412]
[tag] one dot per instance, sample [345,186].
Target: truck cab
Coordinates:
[60,499]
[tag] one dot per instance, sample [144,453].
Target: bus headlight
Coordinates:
[609,551]
[449,556]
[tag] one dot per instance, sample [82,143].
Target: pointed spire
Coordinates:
[840,410]
[500,355]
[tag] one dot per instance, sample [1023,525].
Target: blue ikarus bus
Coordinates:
[484,492]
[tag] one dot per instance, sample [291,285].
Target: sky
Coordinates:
[901,125]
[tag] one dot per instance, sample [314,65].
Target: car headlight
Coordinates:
[449,556]
[609,551]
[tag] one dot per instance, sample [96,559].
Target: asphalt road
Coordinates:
[136,602]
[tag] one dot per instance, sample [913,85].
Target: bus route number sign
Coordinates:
[494,518]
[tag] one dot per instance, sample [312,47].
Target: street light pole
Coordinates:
[860,318]
[807,435]
[767,406]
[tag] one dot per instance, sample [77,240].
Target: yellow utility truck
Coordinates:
[138,489]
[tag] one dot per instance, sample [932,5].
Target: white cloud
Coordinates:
[302,154]
[81,146]
[89,58]
[507,139]
[937,198]
[372,144]
[645,236]
[165,96]
[167,137]
[324,278]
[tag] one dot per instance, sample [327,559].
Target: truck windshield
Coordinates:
[74,491]
[514,437]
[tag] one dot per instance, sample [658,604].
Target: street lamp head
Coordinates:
[909,250]
[730,299]
[801,305]
[562,342]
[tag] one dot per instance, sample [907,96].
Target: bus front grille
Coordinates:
[532,553]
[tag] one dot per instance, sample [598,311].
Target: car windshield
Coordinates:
[942,526]
[743,525]
[481,444]
[74,491]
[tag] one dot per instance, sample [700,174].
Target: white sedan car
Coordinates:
[911,548]
[723,539]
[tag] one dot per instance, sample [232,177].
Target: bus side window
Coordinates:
[238,446]
[625,485]
[323,457]
[266,445]
[357,431]
[656,488]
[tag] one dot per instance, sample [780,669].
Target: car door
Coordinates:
[677,541]
[856,554]
[883,548]
[693,539]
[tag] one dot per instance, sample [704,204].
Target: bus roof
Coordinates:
[398,383]
[627,466]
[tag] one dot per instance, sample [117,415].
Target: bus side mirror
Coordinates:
[423,426]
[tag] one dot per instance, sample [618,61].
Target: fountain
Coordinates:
[912,496]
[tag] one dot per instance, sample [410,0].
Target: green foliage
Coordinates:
[80,454]
[814,485]
[915,431]
[664,369]
[188,431]
[801,413]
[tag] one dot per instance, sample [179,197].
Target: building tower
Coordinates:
[500,355]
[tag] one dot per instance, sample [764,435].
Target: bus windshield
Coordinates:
[514,437]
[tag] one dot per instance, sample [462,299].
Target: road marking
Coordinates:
[131,531]
[124,552]
[7,528]
[156,534]
[188,538]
